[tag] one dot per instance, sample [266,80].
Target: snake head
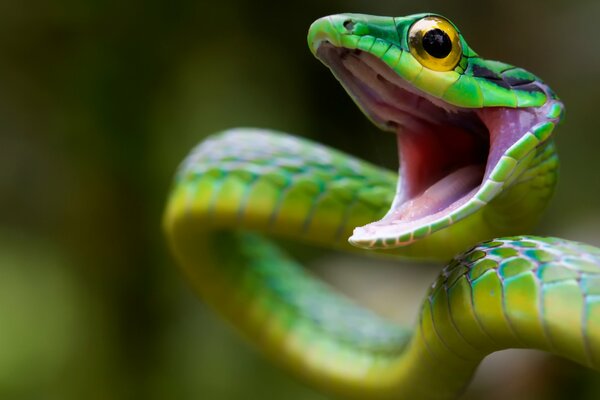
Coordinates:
[472,133]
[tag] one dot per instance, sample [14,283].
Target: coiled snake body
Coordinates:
[477,162]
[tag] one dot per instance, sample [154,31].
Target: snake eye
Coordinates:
[435,43]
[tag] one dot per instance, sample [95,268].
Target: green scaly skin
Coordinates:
[242,185]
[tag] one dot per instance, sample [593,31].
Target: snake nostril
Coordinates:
[349,25]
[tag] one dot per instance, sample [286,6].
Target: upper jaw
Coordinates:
[453,160]
[365,77]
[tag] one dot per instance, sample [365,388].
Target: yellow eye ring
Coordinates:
[435,43]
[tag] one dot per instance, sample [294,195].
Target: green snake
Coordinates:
[478,162]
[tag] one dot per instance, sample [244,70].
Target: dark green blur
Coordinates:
[99,101]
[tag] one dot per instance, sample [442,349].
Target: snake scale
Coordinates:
[477,165]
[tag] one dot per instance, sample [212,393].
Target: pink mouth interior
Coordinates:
[439,165]
[446,152]
[443,150]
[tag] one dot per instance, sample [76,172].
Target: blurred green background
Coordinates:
[100,100]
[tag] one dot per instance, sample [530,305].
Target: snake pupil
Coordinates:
[437,43]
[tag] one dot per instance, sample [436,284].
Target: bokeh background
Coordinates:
[100,100]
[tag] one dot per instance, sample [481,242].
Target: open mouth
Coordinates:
[446,152]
